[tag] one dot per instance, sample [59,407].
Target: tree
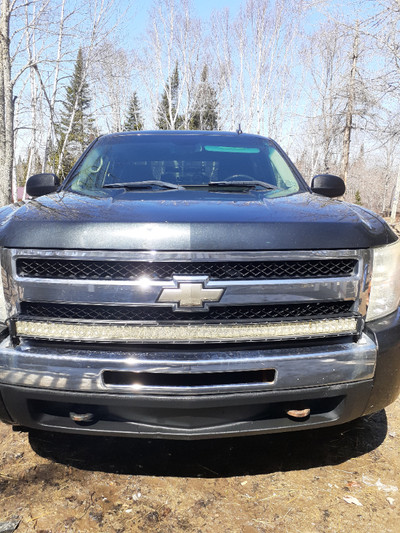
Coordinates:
[357,198]
[204,115]
[7,105]
[134,121]
[35,62]
[111,73]
[386,33]
[325,57]
[351,95]
[255,54]
[76,128]
[167,112]
[34,47]
[173,36]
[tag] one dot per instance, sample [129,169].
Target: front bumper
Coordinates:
[41,387]
[185,417]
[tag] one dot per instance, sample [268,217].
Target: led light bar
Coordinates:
[185,333]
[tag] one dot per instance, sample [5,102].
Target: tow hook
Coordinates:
[81,417]
[298,414]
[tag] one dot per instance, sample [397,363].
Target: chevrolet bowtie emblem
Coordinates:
[190,294]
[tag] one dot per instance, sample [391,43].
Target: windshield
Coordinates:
[188,161]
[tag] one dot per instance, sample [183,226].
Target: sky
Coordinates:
[204,8]
[138,11]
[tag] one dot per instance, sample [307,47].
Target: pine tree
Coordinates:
[81,132]
[134,121]
[167,113]
[204,115]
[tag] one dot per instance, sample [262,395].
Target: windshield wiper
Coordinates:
[148,184]
[244,183]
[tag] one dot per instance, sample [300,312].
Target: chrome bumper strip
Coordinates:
[82,370]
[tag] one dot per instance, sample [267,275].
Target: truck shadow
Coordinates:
[212,458]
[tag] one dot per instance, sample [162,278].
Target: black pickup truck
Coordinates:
[192,285]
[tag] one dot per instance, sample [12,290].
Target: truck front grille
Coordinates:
[121,270]
[185,297]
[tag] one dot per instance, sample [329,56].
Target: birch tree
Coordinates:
[50,94]
[174,37]
[168,117]
[33,52]
[350,104]
[112,76]
[6,103]
[255,53]
[325,59]
[385,29]
[27,57]
[100,29]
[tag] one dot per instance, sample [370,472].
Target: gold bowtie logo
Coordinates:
[190,295]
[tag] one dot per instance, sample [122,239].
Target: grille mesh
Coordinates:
[143,314]
[123,270]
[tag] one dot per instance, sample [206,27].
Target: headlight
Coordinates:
[385,283]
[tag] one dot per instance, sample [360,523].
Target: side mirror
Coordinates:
[328,185]
[40,184]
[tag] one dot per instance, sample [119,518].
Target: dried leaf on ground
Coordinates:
[352,499]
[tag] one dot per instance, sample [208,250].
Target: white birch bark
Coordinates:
[255,53]
[350,105]
[6,106]
[395,201]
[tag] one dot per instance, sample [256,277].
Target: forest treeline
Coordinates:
[322,78]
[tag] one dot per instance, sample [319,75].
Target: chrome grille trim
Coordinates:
[138,293]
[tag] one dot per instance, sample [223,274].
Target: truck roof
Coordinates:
[212,133]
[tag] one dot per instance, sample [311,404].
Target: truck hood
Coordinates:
[190,220]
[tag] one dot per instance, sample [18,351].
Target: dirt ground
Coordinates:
[343,479]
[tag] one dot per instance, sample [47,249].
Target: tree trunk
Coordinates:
[395,201]
[6,107]
[350,106]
